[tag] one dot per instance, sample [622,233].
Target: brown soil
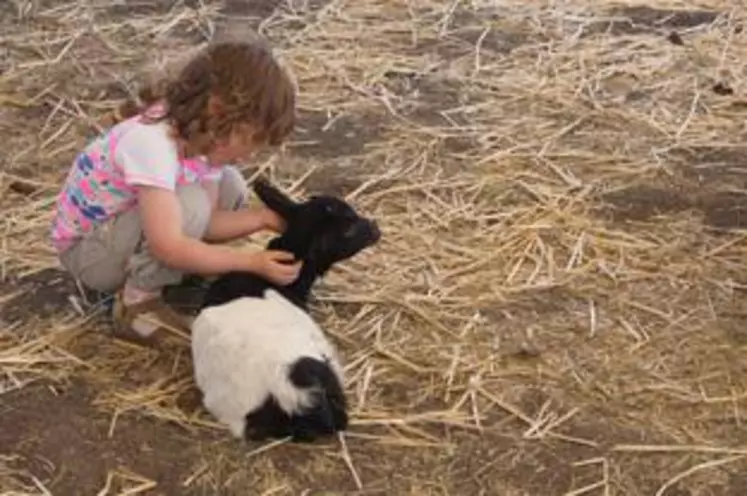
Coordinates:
[59,437]
[63,439]
[708,183]
[636,20]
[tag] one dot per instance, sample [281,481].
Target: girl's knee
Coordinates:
[233,191]
[196,210]
[94,266]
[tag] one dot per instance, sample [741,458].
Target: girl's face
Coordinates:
[239,146]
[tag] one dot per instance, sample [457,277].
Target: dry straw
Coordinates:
[504,314]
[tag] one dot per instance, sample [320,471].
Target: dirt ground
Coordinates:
[586,203]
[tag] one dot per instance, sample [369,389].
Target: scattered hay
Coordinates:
[17,481]
[503,328]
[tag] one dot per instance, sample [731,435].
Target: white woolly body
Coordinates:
[243,350]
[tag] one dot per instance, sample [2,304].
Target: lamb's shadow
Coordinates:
[187,296]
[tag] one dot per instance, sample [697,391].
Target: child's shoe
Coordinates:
[148,322]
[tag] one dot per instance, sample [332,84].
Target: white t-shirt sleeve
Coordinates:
[215,175]
[148,156]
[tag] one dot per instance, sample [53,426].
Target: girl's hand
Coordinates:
[272,221]
[276,266]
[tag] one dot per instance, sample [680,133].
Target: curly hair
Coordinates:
[225,85]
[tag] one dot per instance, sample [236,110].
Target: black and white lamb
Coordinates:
[264,367]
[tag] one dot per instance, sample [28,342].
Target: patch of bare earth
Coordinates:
[59,437]
[708,182]
[557,306]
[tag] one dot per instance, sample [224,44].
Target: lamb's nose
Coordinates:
[375,231]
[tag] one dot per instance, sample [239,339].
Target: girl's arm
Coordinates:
[161,216]
[227,225]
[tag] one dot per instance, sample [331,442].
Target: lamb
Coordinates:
[264,367]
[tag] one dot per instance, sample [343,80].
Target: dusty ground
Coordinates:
[557,306]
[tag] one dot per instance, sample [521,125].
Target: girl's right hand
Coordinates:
[276,266]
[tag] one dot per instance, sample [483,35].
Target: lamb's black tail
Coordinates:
[328,413]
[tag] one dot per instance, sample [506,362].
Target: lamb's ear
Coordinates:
[273,198]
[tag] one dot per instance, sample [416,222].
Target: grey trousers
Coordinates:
[116,251]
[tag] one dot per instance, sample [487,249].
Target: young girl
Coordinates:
[150,200]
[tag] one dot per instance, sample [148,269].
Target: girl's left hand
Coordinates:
[272,221]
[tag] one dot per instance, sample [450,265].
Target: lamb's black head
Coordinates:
[322,229]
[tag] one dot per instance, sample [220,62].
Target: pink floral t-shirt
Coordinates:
[102,180]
